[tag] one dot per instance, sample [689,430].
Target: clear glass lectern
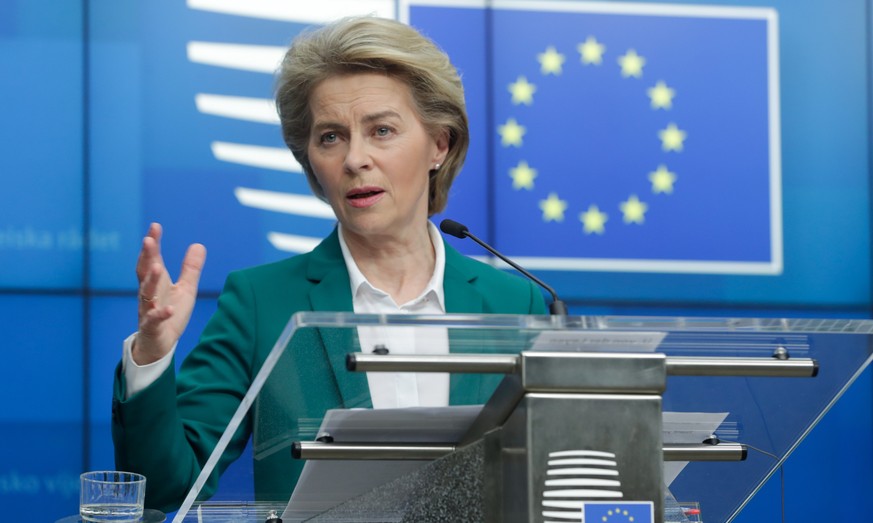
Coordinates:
[696,409]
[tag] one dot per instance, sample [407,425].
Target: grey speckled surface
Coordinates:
[448,489]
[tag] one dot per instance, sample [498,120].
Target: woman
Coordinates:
[374,112]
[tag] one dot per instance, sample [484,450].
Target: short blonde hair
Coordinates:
[369,44]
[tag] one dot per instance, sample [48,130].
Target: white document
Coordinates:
[324,484]
[597,341]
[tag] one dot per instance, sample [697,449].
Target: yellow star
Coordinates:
[631,64]
[522,91]
[551,61]
[634,210]
[593,220]
[553,208]
[662,96]
[672,138]
[522,176]
[662,180]
[591,51]
[511,133]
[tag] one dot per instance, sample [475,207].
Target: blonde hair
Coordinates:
[366,45]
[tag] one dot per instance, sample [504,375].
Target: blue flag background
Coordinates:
[583,175]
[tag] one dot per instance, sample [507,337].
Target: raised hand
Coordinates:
[164,307]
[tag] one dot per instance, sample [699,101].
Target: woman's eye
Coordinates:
[383,131]
[328,138]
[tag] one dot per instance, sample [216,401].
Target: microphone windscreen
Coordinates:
[454,228]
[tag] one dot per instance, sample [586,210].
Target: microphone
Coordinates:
[458,230]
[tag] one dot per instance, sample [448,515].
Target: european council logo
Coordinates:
[634,137]
[576,478]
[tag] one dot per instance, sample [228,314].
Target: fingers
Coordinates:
[150,251]
[149,292]
[192,266]
[164,307]
[156,287]
[155,231]
[153,317]
[152,312]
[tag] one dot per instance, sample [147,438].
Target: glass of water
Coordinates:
[111,496]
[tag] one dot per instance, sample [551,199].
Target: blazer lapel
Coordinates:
[331,292]
[463,297]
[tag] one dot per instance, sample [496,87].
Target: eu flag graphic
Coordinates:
[621,512]
[625,137]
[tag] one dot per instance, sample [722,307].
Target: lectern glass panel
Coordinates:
[720,388]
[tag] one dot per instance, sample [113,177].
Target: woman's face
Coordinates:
[371,154]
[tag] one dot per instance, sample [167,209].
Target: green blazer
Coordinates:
[168,430]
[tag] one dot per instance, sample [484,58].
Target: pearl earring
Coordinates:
[436,167]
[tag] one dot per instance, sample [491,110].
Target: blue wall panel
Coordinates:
[41,155]
[42,376]
[41,383]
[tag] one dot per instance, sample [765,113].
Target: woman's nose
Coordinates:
[358,156]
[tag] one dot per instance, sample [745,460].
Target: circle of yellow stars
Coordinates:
[618,512]
[631,64]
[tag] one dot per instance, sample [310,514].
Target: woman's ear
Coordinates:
[442,146]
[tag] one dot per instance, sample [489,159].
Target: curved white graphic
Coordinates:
[262,110]
[284,202]
[292,242]
[577,476]
[275,158]
[257,58]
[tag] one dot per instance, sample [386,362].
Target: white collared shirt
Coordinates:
[387,390]
[403,389]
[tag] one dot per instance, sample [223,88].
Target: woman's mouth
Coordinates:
[364,196]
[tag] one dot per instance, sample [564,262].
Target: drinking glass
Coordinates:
[111,496]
